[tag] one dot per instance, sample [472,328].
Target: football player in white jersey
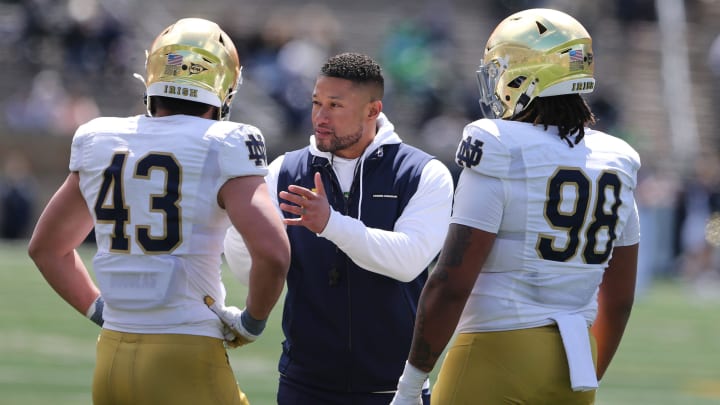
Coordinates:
[160,191]
[537,274]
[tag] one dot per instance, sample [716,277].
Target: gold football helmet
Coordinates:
[195,60]
[534,53]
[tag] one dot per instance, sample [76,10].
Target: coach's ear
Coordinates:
[375,108]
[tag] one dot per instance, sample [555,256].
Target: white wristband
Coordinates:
[412,380]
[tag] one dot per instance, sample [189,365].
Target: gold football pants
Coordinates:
[525,366]
[151,369]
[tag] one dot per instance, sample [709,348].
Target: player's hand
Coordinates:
[410,386]
[236,334]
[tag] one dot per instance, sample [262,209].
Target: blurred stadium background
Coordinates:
[657,66]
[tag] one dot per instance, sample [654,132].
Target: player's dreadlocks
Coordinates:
[569,112]
[357,68]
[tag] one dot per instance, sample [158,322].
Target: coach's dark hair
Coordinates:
[569,112]
[357,68]
[179,106]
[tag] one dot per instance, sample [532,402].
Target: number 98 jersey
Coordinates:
[557,212]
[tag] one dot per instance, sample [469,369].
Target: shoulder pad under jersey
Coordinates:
[243,151]
[482,150]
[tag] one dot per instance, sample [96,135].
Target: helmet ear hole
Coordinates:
[517,82]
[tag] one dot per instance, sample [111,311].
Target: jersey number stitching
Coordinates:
[114,210]
[573,222]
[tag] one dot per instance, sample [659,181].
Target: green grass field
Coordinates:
[671,353]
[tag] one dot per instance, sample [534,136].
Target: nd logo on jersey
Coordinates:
[256,149]
[469,152]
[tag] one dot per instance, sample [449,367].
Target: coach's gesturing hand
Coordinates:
[311,206]
[240,327]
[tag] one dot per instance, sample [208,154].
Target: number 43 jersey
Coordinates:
[557,212]
[151,185]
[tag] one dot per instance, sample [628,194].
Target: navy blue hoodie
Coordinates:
[348,329]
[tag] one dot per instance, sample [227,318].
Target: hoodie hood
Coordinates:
[385,135]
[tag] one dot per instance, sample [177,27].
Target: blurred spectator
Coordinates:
[284,55]
[503,8]
[442,133]
[81,35]
[315,39]
[17,197]
[58,44]
[91,40]
[410,66]
[37,25]
[631,11]
[37,107]
[47,107]
[606,112]
[713,63]
[420,60]
[656,193]
[78,108]
[698,202]
[714,56]
[12,23]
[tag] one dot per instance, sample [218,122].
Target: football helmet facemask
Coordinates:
[193,59]
[534,53]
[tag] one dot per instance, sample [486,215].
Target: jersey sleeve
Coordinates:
[479,201]
[627,165]
[630,235]
[242,153]
[78,148]
[627,161]
[482,150]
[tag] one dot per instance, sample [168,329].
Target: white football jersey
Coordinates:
[557,212]
[151,185]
